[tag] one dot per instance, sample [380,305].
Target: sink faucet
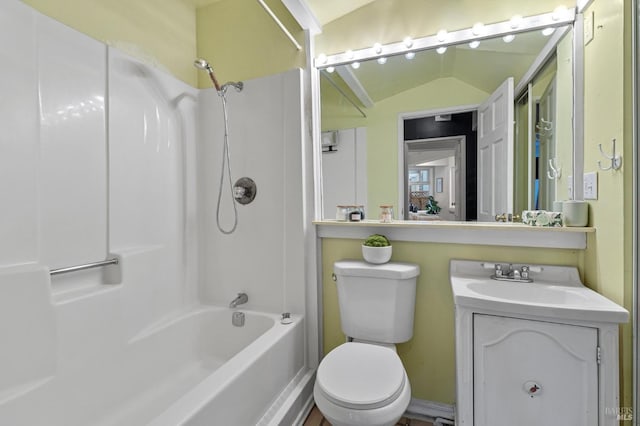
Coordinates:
[509,273]
[239,300]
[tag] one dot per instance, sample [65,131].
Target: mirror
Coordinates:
[390,114]
[544,153]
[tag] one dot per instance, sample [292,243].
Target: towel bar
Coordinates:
[113,261]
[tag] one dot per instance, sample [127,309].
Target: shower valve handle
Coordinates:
[239,191]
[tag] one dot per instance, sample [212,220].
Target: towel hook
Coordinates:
[555,169]
[615,159]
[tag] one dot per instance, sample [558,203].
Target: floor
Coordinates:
[315,419]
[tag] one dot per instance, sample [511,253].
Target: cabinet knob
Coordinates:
[532,388]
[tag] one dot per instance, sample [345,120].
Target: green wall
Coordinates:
[242,42]
[429,357]
[608,103]
[163,32]
[237,36]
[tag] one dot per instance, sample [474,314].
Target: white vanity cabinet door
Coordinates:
[532,373]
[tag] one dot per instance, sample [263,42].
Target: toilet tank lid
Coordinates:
[359,268]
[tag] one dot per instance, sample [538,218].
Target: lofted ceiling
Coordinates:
[324,10]
[476,67]
[329,10]
[483,68]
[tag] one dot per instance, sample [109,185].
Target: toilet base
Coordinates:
[382,416]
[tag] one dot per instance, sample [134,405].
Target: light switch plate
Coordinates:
[591,186]
[588,28]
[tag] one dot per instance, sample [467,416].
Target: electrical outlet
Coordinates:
[591,186]
[588,28]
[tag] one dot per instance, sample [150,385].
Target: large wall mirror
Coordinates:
[457,133]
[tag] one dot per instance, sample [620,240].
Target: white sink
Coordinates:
[556,293]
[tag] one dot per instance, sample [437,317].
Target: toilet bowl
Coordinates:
[362,384]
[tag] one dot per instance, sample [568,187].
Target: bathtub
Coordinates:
[194,369]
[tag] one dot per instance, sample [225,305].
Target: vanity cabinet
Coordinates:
[534,373]
[527,370]
[535,351]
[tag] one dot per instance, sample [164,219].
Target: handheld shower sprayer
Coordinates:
[204,65]
[245,191]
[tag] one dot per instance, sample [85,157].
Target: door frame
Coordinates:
[459,143]
[400,142]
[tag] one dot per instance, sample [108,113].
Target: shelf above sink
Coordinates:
[481,233]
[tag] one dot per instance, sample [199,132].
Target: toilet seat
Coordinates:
[361,376]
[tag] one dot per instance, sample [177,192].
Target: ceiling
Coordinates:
[324,10]
[483,68]
[329,10]
[200,3]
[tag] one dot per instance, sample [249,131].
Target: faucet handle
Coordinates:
[498,270]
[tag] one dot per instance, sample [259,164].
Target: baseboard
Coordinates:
[421,409]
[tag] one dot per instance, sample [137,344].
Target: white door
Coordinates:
[495,153]
[533,373]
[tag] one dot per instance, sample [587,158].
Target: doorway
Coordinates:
[441,132]
[435,173]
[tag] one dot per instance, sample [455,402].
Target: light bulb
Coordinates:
[377,48]
[322,59]
[382,60]
[355,65]
[442,35]
[330,69]
[548,31]
[474,44]
[410,55]
[478,29]
[508,38]
[515,21]
[408,42]
[441,49]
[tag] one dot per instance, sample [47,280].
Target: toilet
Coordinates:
[363,382]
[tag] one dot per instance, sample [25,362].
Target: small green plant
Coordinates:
[376,240]
[432,206]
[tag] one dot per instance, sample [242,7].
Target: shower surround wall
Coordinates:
[99,157]
[264,257]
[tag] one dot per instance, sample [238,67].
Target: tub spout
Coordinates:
[239,300]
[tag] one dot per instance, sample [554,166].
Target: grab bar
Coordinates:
[113,261]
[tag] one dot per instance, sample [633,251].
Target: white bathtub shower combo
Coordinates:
[105,157]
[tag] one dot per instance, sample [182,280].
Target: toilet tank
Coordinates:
[377,302]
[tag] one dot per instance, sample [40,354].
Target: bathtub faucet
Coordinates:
[239,300]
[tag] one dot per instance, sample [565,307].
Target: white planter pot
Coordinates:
[376,255]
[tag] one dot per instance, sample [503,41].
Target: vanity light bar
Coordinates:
[529,23]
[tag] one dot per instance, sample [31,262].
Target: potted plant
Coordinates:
[376,249]
[432,206]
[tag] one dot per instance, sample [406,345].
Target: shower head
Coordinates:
[204,65]
[201,64]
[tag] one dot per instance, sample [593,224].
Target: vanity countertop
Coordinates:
[483,233]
